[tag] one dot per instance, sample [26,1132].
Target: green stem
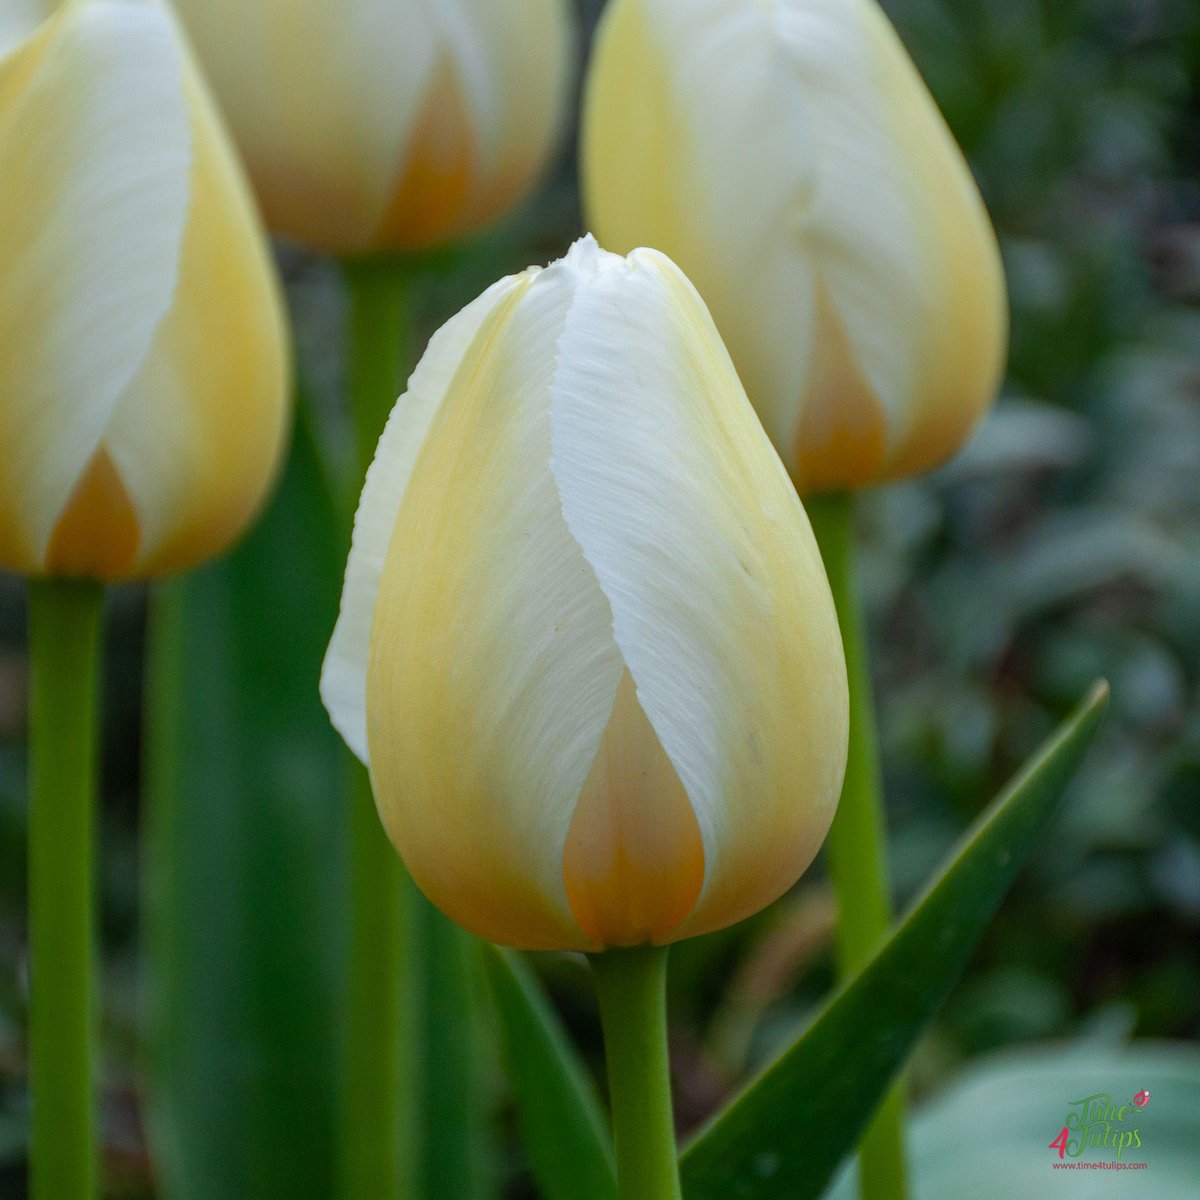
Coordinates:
[379,1143]
[64,641]
[632,989]
[379,349]
[857,846]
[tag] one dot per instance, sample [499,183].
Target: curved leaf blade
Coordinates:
[562,1126]
[785,1135]
[244,861]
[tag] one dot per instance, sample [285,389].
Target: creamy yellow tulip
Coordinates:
[586,643]
[789,158]
[373,125]
[142,346]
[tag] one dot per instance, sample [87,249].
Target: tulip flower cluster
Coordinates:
[586,640]
[587,646]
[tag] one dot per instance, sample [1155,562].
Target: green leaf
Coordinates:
[457,1152]
[560,1118]
[245,872]
[988,1136]
[785,1135]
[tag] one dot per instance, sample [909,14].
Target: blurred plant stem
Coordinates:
[380,1087]
[379,350]
[632,988]
[856,849]
[64,637]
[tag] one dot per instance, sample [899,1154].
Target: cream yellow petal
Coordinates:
[19,19]
[961,359]
[488,119]
[524,49]
[840,244]
[322,98]
[198,434]
[94,164]
[344,675]
[492,670]
[633,862]
[678,153]
[720,605]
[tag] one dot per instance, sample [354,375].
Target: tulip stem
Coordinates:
[856,850]
[632,988]
[380,335]
[380,1085]
[64,643]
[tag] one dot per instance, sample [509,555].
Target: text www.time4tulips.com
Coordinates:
[1098,1166]
[1097,1124]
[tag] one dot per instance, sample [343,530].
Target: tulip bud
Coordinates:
[387,126]
[142,379]
[789,158]
[586,641]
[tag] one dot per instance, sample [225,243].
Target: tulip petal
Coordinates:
[18,19]
[720,604]
[94,167]
[802,228]
[344,674]
[198,434]
[493,670]
[633,862]
[520,110]
[322,97]
[668,181]
[488,117]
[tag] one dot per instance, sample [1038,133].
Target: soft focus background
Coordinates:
[1063,544]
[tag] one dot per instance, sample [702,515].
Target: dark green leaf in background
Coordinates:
[562,1125]
[244,861]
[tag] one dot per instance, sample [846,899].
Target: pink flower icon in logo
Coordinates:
[1142,1099]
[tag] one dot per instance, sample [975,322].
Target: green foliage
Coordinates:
[562,1127]
[786,1134]
[987,1136]
[244,898]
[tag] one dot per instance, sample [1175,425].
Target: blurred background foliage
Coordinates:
[1064,543]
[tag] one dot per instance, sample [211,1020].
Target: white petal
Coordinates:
[493,671]
[721,609]
[198,434]
[321,97]
[707,72]
[94,160]
[18,19]
[344,675]
[515,56]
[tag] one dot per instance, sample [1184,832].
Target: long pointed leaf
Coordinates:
[244,869]
[458,1155]
[786,1134]
[564,1132]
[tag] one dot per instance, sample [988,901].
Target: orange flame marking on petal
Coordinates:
[435,181]
[633,863]
[97,535]
[842,439]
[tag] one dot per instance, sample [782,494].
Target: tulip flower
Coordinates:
[790,159]
[142,408]
[586,643]
[143,374]
[396,126]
